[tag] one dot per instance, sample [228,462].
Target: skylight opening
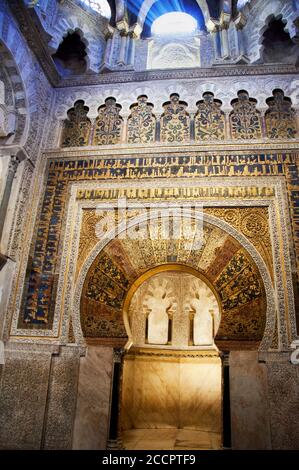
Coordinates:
[174,23]
[242,3]
[101,6]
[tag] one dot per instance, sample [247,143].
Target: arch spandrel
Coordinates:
[238,283]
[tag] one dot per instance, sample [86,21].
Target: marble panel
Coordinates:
[248,400]
[155,400]
[94,388]
[283,386]
[170,439]
[172,392]
[23,395]
[62,395]
[200,383]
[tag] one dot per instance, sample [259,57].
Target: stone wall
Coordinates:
[264,398]
[38,391]
[93,404]
[248,401]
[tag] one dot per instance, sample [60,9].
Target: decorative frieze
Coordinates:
[209,124]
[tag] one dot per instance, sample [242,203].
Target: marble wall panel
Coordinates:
[171,392]
[200,394]
[61,403]
[283,380]
[23,395]
[248,399]
[153,396]
[92,412]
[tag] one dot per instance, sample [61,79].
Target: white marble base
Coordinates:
[170,439]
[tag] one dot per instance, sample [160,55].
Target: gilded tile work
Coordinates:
[108,127]
[292,173]
[280,118]
[209,121]
[252,222]
[77,126]
[141,122]
[175,121]
[41,281]
[228,267]
[245,119]
[245,122]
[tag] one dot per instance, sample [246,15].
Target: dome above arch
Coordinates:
[151,12]
[174,23]
[100,6]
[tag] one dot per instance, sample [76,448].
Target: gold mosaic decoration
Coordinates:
[77,127]
[228,266]
[252,222]
[37,310]
[141,122]
[209,121]
[280,118]
[175,121]
[108,127]
[245,119]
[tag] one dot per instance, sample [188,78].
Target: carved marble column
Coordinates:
[123,48]
[224,42]
[108,50]
[240,22]
[131,49]
[213,28]
[224,25]
[12,168]
[114,437]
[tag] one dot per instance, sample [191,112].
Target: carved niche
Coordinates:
[280,117]
[141,122]
[77,126]
[245,119]
[174,309]
[109,124]
[209,119]
[175,121]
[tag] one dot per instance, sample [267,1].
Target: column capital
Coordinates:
[240,21]
[117,354]
[225,20]
[135,31]
[109,32]
[212,26]
[13,165]
[122,27]
[225,358]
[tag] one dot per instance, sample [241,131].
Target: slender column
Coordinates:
[224,25]
[131,46]
[240,22]
[215,36]
[107,58]
[12,168]
[114,438]
[123,47]
[213,28]
[241,46]
[224,41]
[226,402]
